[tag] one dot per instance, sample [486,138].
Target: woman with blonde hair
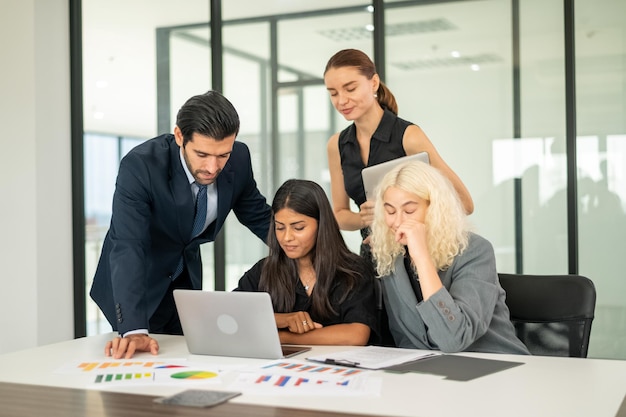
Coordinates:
[441,288]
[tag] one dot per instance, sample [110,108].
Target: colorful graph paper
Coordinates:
[116,365]
[125,377]
[314,369]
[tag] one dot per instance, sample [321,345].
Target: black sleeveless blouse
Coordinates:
[386,144]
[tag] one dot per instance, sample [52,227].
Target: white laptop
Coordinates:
[372,175]
[236,323]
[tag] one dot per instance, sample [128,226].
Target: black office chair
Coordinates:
[552,314]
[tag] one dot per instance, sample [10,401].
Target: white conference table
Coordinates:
[542,386]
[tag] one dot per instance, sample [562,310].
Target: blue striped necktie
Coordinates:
[200,218]
[198,222]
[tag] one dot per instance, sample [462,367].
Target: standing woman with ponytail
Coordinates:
[376,135]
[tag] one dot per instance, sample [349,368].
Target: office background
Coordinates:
[485,79]
[36,213]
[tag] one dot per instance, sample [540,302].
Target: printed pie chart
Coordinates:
[194,375]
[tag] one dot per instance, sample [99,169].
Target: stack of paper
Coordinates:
[373,357]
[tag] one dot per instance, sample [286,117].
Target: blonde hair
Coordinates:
[447,228]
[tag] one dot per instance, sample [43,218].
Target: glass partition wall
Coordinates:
[484,79]
[120,88]
[601,161]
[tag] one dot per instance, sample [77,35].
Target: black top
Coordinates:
[358,307]
[413,278]
[386,144]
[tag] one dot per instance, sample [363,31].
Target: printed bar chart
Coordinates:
[104,378]
[298,367]
[90,366]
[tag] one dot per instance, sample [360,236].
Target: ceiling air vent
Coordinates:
[395,29]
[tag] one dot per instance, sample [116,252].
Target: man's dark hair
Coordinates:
[209,114]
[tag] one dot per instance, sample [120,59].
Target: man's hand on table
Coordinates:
[127,346]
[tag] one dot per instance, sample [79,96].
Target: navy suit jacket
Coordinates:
[153,210]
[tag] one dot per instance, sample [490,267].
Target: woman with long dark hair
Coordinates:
[322,292]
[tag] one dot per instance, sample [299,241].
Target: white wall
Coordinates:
[36,304]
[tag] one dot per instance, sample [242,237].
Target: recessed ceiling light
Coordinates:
[475,67]
[455,54]
[370,8]
[369,28]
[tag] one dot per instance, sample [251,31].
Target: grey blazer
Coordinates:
[467,314]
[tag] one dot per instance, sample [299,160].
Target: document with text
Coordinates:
[373,357]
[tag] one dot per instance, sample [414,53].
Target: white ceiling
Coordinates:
[119,69]
[119,78]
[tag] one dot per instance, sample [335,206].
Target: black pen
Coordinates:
[341,362]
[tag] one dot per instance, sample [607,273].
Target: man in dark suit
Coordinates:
[153,246]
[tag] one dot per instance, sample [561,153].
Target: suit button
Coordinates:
[441,304]
[451,317]
[446,310]
[120,320]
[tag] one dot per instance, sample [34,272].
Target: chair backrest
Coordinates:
[552,314]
